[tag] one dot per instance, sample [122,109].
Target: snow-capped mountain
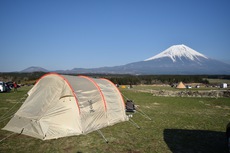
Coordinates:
[177,52]
[177,59]
[180,59]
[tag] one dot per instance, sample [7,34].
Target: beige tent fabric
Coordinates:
[180,86]
[114,102]
[62,105]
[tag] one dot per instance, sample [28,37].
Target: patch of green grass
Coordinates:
[178,124]
[218,81]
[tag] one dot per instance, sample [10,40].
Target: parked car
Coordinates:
[188,86]
[11,85]
[4,87]
[228,136]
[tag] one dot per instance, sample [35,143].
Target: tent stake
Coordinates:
[21,131]
[99,131]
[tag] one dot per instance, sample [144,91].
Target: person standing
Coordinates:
[15,86]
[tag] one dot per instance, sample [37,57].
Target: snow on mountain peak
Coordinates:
[178,51]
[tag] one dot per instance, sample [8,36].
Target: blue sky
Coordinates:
[67,34]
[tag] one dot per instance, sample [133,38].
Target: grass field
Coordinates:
[218,81]
[185,125]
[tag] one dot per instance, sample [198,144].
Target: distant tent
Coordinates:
[62,105]
[180,86]
[123,87]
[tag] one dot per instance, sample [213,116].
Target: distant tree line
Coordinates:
[21,77]
[121,79]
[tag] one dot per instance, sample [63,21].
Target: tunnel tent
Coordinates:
[63,105]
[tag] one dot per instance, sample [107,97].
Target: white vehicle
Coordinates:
[2,86]
[188,87]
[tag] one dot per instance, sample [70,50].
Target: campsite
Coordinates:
[114,76]
[178,124]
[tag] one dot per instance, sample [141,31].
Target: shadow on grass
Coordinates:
[195,141]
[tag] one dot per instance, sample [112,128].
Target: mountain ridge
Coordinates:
[35,69]
[177,59]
